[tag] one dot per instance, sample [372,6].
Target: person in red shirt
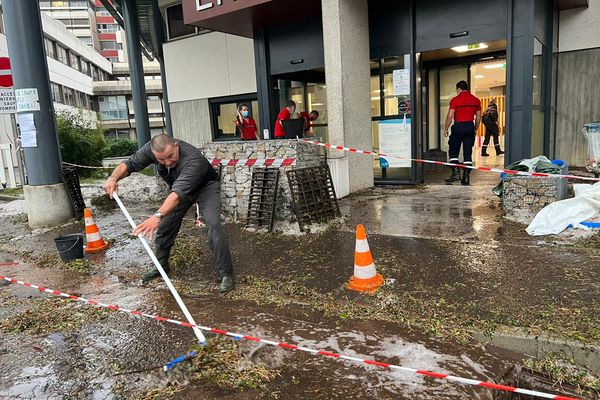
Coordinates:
[308,118]
[245,124]
[284,114]
[464,109]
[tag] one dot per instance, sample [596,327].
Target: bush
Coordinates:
[80,141]
[121,147]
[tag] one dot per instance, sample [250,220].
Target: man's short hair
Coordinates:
[160,142]
[291,103]
[462,85]
[315,112]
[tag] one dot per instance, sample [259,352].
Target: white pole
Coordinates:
[160,269]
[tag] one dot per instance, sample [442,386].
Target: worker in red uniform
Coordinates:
[284,114]
[308,118]
[464,109]
[245,124]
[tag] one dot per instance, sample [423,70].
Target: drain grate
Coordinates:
[313,195]
[263,197]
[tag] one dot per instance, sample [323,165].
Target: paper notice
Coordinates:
[28,130]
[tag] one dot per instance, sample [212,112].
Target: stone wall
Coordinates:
[236,181]
[524,197]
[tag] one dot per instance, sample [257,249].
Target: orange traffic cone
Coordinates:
[95,243]
[365,279]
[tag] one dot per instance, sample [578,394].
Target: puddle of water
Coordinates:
[32,383]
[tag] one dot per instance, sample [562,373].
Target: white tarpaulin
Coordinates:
[556,217]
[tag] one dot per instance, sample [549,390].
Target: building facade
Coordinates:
[73,68]
[382,73]
[111,97]
[79,16]
[115,104]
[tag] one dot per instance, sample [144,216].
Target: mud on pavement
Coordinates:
[292,288]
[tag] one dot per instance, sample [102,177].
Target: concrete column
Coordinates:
[136,71]
[46,198]
[264,83]
[347,75]
[519,91]
[159,24]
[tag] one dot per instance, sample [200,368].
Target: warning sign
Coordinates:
[8,103]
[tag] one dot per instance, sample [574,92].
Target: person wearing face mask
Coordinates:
[245,124]
[465,111]
[284,115]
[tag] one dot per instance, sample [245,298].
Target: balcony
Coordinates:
[123,68]
[108,88]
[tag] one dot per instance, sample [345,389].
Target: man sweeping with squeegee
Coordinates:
[191,179]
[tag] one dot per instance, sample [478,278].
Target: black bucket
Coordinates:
[70,247]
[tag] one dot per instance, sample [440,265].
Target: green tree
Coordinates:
[81,140]
[121,147]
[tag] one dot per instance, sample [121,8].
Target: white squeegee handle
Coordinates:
[160,269]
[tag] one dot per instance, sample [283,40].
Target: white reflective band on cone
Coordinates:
[93,237]
[89,221]
[367,272]
[362,246]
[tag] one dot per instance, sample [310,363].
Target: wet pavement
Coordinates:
[451,265]
[88,362]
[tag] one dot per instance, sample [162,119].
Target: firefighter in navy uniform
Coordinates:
[465,111]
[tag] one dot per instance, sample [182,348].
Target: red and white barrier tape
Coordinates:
[487,169]
[8,264]
[238,336]
[255,162]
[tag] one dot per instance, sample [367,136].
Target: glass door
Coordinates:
[448,78]
[391,119]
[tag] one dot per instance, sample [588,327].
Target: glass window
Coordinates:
[395,89]
[74,61]
[86,39]
[224,113]
[82,100]
[80,22]
[76,3]
[316,94]
[108,28]
[296,93]
[175,26]
[50,48]
[56,92]
[390,102]
[95,74]
[538,112]
[61,54]
[102,12]
[375,90]
[112,107]
[112,45]
[85,67]
[69,96]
